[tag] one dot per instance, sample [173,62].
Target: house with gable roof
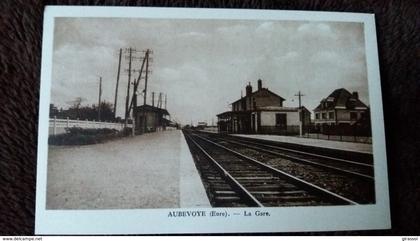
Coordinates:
[341,109]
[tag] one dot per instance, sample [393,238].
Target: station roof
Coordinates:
[150,108]
[228,113]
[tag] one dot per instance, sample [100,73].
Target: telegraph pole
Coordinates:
[133,103]
[136,84]
[299,94]
[99,101]
[116,88]
[146,77]
[145,87]
[128,88]
[166,99]
[160,100]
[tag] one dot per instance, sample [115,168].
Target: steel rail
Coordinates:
[298,181]
[230,178]
[307,153]
[298,159]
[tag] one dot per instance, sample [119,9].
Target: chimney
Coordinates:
[248,89]
[259,84]
[355,95]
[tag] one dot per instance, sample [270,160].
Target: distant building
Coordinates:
[341,109]
[150,118]
[261,111]
[202,124]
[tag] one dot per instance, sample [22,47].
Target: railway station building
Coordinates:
[262,112]
[150,118]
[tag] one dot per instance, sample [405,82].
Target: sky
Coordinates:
[203,65]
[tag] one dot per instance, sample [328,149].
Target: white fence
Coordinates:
[58,126]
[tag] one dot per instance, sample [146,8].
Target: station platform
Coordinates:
[154,170]
[338,145]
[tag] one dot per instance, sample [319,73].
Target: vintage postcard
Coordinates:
[176,120]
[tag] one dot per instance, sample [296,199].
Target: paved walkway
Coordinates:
[154,170]
[340,145]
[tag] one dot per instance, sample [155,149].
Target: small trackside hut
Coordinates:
[150,118]
[262,112]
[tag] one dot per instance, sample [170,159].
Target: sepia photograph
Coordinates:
[178,113]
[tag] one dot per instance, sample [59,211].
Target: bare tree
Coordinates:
[76,103]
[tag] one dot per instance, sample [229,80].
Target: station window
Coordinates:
[353,115]
[331,115]
[317,116]
[324,116]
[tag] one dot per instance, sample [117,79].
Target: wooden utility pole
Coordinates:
[153,98]
[136,85]
[129,104]
[128,88]
[116,87]
[146,76]
[99,101]
[145,89]
[299,94]
[166,99]
[160,100]
[133,103]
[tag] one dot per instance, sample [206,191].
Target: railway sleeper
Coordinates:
[224,192]
[291,204]
[227,198]
[231,204]
[272,186]
[264,187]
[213,178]
[286,198]
[257,178]
[278,192]
[221,186]
[251,174]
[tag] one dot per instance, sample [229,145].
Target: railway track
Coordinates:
[233,179]
[338,175]
[347,167]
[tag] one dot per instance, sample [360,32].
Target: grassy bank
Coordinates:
[79,136]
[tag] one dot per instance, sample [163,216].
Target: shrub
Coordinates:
[79,136]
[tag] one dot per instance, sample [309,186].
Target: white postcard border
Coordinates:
[154,221]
